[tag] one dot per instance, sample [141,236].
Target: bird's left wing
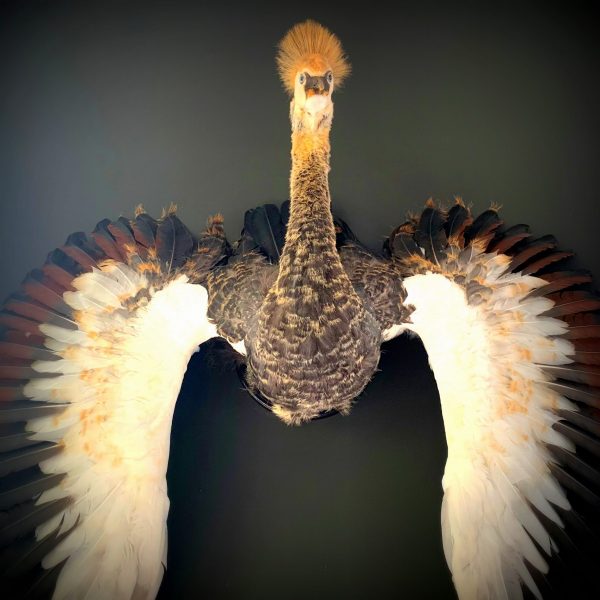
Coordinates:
[93,350]
[513,340]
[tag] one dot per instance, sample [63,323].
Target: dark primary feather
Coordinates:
[575,485]
[60,267]
[546,260]
[144,229]
[122,232]
[581,393]
[265,226]
[19,323]
[572,569]
[487,222]
[561,280]
[104,239]
[457,220]
[83,250]
[583,325]
[244,245]
[19,370]
[21,562]
[507,239]
[37,285]
[20,346]
[17,412]
[532,248]
[572,461]
[587,349]
[18,460]
[26,351]
[24,314]
[174,242]
[584,418]
[27,516]
[401,243]
[24,485]
[580,373]
[11,393]
[13,436]
[20,304]
[430,234]
[566,303]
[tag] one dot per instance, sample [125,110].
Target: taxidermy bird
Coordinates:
[95,345]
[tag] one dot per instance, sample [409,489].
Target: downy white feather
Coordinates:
[497,413]
[119,375]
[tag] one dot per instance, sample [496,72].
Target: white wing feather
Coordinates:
[497,415]
[120,375]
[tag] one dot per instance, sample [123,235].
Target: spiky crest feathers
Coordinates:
[310,45]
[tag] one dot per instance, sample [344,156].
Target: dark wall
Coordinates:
[343,507]
[106,105]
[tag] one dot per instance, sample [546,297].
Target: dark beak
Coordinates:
[316,85]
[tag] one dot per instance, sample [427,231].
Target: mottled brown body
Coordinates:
[313,345]
[378,282]
[312,341]
[236,292]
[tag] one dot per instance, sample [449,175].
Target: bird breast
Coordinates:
[313,346]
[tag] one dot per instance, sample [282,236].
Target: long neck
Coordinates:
[310,228]
[309,181]
[314,346]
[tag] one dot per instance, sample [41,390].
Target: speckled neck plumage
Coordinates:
[310,207]
[314,346]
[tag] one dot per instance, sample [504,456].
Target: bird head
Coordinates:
[311,65]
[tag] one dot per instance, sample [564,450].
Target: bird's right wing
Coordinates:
[92,354]
[513,341]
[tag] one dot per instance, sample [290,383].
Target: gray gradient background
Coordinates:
[105,105]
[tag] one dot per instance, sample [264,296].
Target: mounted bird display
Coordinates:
[96,343]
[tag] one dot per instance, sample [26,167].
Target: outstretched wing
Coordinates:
[513,340]
[92,354]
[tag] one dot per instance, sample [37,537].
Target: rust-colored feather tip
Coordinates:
[214,225]
[310,43]
[169,210]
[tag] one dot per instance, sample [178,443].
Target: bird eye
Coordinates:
[302,79]
[330,77]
